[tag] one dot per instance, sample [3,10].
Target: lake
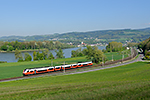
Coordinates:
[10,56]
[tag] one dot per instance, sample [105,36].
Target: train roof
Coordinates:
[39,68]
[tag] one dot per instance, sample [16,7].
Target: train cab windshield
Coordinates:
[25,70]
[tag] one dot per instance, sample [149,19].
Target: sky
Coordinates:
[41,17]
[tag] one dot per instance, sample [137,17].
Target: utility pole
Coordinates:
[103,61]
[122,56]
[64,66]
[51,63]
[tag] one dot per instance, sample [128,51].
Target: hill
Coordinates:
[101,36]
[121,83]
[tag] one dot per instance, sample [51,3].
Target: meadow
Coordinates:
[125,82]
[8,70]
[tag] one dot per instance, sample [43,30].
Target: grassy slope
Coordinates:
[125,82]
[116,55]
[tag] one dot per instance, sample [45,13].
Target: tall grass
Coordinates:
[124,82]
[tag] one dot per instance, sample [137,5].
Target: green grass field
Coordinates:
[116,55]
[125,82]
[8,70]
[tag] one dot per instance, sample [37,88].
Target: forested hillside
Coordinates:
[103,36]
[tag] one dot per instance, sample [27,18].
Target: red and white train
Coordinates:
[32,71]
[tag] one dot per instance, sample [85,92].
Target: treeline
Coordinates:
[91,53]
[97,55]
[45,55]
[114,47]
[144,46]
[10,46]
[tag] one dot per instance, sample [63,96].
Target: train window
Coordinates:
[42,70]
[24,70]
[50,68]
[67,66]
[31,71]
[27,71]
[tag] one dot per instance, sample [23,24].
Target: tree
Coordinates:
[41,56]
[94,54]
[89,52]
[50,56]
[77,53]
[97,56]
[114,47]
[45,53]
[10,48]
[35,56]
[4,47]
[18,55]
[147,55]
[38,56]
[27,57]
[145,45]
[59,54]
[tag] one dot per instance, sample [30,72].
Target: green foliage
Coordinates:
[95,54]
[41,56]
[4,47]
[45,53]
[38,56]
[10,46]
[35,56]
[59,53]
[132,44]
[27,57]
[91,53]
[114,47]
[18,55]
[145,45]
[50,56]
[147,55]
[77,53]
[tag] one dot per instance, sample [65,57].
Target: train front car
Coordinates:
[27,72]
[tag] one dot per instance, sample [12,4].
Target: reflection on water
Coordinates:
[10,57]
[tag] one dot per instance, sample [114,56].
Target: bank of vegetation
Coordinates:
[33,45]
[121,83]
